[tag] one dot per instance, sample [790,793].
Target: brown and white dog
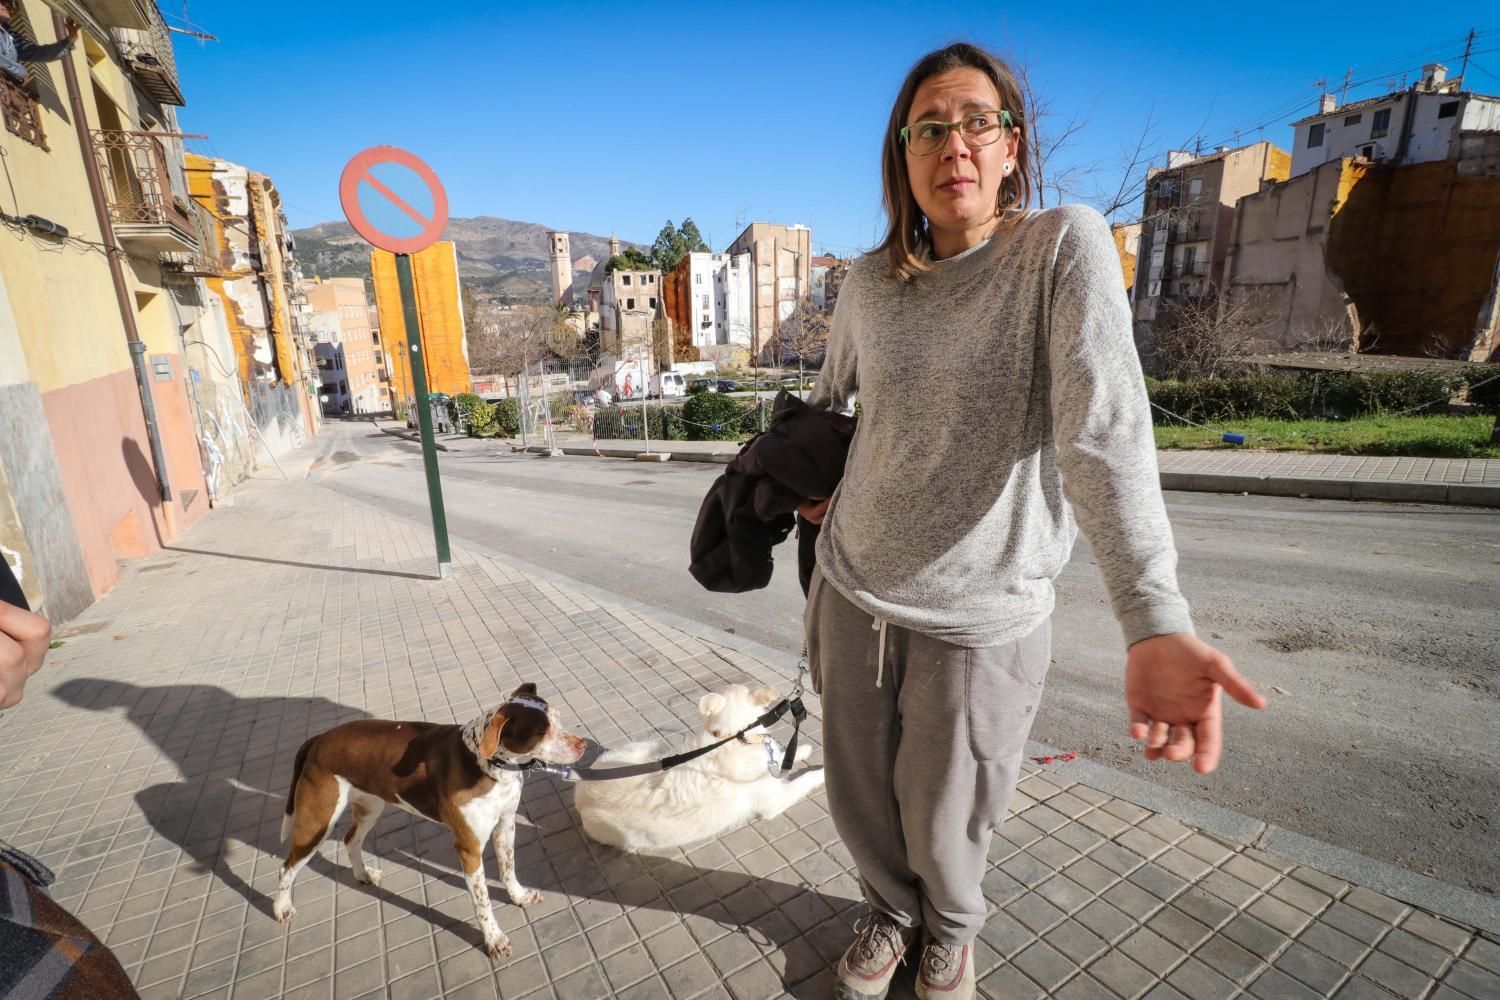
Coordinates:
[464,777]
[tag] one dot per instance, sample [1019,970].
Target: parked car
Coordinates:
[727,385]
[702,385]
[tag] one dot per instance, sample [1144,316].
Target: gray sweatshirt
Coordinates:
[999,394]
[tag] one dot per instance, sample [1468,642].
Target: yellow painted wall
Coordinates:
[61,294]
[440,311]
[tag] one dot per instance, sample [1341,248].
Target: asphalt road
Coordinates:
[1371,627]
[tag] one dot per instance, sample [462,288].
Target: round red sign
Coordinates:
[358,171]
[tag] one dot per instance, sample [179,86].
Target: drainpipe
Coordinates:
[116,270]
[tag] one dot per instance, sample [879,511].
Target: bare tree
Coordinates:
[1132,169]
[1197,338]
[1047,135]
[804,335]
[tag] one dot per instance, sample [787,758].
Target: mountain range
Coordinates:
[496,257]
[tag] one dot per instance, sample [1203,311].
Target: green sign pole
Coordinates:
[424,411]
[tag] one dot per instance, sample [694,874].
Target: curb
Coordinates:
[409,436]
[1441,898]
[1391,491]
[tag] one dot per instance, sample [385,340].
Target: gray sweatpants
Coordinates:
[922,743]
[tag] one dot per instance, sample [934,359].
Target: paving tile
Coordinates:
[1448,936]
[1044,965]
[1311,969]
[1120,973]
[1383,908]
[1275,985]
[1399,978]
[1473,981]
[1229,960]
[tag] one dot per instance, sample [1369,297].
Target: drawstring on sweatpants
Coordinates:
[879,626]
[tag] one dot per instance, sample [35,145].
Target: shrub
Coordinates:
[477,415]
[1337,395]
[1485,396]
[507,417]
[712,417]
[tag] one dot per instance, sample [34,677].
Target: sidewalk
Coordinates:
[1464,481]
[148,765]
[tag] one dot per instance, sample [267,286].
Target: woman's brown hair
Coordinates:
[908,236]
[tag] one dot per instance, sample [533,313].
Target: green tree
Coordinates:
[630,259]
[691,238]
[667,250]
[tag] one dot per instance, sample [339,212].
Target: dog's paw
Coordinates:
[803,752]
[283,909]
[372,876]
[497,946]
[526,897]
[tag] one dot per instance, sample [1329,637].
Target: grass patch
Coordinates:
[1442,436]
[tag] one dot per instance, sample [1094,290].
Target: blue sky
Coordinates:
[617,117]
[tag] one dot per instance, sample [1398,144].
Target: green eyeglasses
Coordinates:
[978,129]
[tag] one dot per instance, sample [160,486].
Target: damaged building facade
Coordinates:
[1386,236]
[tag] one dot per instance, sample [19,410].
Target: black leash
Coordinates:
[793,704]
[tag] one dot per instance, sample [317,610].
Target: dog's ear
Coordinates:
[710,704]
[766,697]
[528,689]
[489,743]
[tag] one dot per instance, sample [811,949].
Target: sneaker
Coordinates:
[866,969]
[947,973]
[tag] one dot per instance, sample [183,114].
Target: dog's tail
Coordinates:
[291,793]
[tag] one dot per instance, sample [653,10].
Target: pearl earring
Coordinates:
[1007,168]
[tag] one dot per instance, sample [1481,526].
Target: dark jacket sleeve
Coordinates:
[32,52]
[10,589]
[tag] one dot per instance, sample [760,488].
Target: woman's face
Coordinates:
[958,186]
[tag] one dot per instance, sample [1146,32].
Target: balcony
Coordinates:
[22,116]
[119,13]
[147,54]
[205,261]
[147,216]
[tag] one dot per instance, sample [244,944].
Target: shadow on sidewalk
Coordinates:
[235,757]
[301,565]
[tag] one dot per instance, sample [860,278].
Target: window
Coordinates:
[1352,120]
[1315,135]
[630,303]
[624,279]
[653,303]
[697,279]
[1368,152]
[1381,124]
[1448,109]
[23,116]
[1195,186]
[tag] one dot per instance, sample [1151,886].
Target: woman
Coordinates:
[991,351]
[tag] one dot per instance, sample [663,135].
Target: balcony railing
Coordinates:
[204,262]
[22,116]
[142,205]
[149,57]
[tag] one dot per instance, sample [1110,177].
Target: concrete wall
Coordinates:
[1278,259]
[781,261]
[1416,248]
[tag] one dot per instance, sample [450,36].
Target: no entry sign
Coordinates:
[396,188]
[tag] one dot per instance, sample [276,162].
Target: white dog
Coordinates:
[704,798]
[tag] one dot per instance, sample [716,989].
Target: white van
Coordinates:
[665,385]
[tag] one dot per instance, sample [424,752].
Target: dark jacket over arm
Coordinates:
[751,507]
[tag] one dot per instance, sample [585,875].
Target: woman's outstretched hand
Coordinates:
[1172,685]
